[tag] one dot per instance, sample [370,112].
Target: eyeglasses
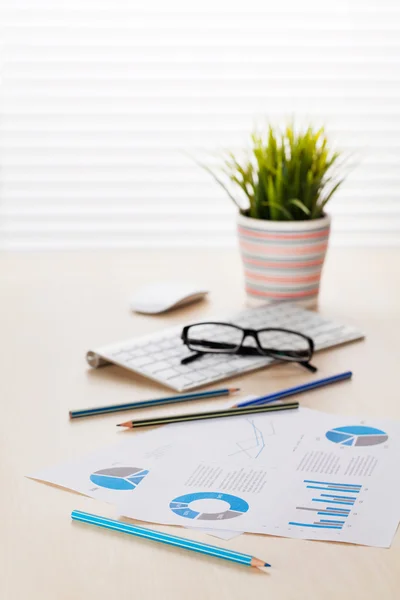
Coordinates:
[225,338]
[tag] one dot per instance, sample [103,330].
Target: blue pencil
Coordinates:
[101,410]
[299,389]
[171,540]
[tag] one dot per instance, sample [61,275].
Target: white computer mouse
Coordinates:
[162,296]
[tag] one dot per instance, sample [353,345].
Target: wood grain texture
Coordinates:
[54,307]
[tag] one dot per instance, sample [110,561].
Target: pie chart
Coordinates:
[181,506]
[357,435]
[118,478]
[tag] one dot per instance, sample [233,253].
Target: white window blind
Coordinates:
[102,101]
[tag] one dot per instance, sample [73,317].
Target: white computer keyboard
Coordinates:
[158,355]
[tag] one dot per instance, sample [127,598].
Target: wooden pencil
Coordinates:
[299,389]
[227,412]
[101,410]
[171,540]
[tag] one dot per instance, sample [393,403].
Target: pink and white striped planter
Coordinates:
[283,260]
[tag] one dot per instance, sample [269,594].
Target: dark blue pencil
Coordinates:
[101,410]
[299,389]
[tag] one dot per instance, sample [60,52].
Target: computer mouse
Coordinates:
[163,296]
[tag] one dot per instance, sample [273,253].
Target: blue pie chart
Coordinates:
[357,435]
[118,478]
[181,506]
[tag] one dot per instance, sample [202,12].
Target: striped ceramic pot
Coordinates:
[283,260]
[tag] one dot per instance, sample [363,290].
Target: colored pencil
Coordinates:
[101,410]
[227,412]
[295,390]
[172,540]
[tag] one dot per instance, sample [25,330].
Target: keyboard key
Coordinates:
[182,353]
[165,345]
[224,368]
[209,374]
[167,374]
[170,353]
[195,376]
[182,369]
[152,348]
[135,353]
[136,345]
[180,382]
[244,363]
[219,359]
[154,367]
[159,356]
[141,361]
[120,356]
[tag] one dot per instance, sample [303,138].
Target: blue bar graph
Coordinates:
[316,525]
[352,485]
[333,489]
[332,514]
[330,507]
[341,511]
[331,501]
[331,521]
[338,497]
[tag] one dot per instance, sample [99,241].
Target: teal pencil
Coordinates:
[171,540]
[101,410]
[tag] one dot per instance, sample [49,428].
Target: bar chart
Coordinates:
[328,506]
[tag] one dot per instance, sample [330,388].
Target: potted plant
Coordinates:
[281,188]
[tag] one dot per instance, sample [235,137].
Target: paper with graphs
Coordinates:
[113,473]
[339,482]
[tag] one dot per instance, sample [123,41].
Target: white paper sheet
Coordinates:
[258,438]
[116,470]
[112,474]
[339,482]
[267,461]
[220,534]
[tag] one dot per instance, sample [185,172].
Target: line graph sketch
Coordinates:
[253,445]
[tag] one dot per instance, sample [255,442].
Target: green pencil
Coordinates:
[101,410]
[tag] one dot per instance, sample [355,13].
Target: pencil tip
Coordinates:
[232,390]
[257,562]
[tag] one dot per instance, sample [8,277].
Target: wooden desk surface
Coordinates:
[53,308]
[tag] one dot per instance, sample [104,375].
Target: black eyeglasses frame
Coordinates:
[258,350]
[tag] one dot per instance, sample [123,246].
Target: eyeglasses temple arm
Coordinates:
[308,366]
[191,358]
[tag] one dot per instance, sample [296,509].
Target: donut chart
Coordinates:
[181,506]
